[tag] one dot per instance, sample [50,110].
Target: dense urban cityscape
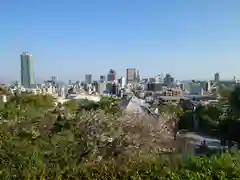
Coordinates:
[165,87]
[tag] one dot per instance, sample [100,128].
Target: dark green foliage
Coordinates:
[186,121]
[208,117]
[234,100]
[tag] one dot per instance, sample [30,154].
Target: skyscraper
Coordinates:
[131,77]
[27,70]
[122,82]
[216,77]
[111,76]
[138,78]
[88,78]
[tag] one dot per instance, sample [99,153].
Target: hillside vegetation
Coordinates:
[82,140]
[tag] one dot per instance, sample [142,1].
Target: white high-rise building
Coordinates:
[122,82]
[209,86]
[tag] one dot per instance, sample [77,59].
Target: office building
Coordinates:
[95,86]
[195,88]
[131,77]
[111,76]
[54,80]
[122,82]
[109,87]
[158,79]
[102,78]
[27,70]
[216,77]
[138,78]
[69,82]
[101,87]
[168,80]
[112,88]
[173,92]
[88,78]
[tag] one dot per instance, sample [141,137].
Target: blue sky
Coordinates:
[187,38]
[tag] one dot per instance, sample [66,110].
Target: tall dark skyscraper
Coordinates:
[216,77]
[27,70]
[111,76]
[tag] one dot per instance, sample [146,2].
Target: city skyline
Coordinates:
[27,75]
[132,74]
[189,40]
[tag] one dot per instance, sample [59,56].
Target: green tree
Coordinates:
[208,117]
[72,105]
[173,112]
[234,101]
[88,105]
[223,91]
[109,104]
[43,144]
[223,94]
